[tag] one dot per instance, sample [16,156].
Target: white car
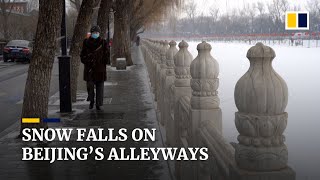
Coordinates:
[300,35]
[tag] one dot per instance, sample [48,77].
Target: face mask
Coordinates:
[95,35]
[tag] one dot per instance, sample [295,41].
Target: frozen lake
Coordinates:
[300,68]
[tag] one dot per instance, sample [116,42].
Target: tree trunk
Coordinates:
[6,27]
[133,34]
[103,16]
[134,31]
[81,28]
[78,5]
[121,38]
[36,94]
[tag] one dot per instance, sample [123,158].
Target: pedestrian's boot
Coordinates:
[98,108]
[91,105]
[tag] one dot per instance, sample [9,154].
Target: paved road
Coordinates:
[12,82]
[131,107]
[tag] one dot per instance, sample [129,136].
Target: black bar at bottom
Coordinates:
[64,84]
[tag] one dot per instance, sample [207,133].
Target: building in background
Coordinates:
[22,19]
[17,6]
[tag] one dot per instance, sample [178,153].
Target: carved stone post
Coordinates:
[157,69]
[149,61]
[204,83]
[152,65]
[182,61]
[155,62]
[162,74]
[145,52]
[261,97]
[204,101]
[179,121]
[168,81]
[144,49]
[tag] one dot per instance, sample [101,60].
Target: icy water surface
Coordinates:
[300,68]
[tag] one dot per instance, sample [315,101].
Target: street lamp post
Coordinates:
[63,31]
[64,68]
[109,17]
[109,27]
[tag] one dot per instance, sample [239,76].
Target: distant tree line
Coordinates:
[254,18]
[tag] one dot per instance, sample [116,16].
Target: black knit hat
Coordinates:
[95,29]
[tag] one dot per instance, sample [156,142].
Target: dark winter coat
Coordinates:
[95,56]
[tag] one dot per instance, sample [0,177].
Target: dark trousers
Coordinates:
[99,91]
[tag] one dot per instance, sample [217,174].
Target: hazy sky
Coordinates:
[204,5]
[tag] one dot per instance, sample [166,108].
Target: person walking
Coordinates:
[138,40]
[95,56]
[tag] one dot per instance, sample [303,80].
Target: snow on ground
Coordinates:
[300,68]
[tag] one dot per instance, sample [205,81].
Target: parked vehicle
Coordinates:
[300,35]
[18,50]
[2,44]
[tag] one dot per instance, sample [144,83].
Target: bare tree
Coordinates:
[259,18]
[6,9]
[313,6]
[278,8]
[103,16]
[260,7]
[36,94]
[251,10]
[32,5]
[130,17]
[121,42]
[296,8]
[275,11]
[191,11]
[214,14]
[81,28]
[76,4]
[172,21]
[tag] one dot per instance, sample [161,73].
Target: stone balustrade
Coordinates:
[186,97]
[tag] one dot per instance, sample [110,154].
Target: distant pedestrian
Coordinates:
[138,40]
[95,56]
[292,41]
[110,42]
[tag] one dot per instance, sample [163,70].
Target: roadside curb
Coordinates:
[52,112]
[11,129]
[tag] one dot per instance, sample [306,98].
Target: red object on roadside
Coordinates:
[110,42]
[88,35]
[7,50]
[26,50]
